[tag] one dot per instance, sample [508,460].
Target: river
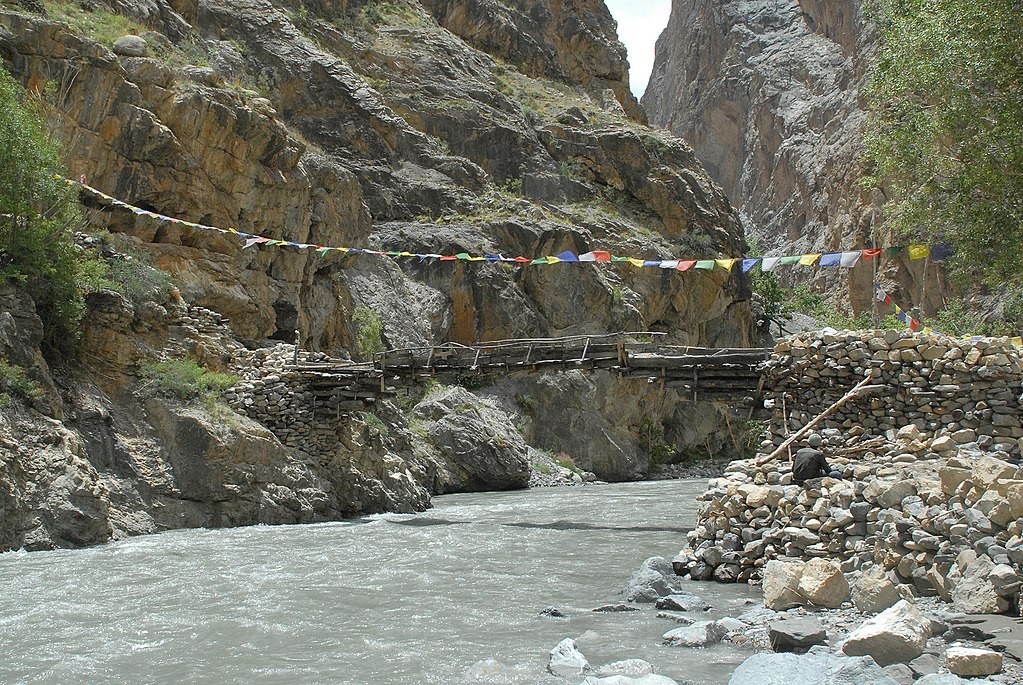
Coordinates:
[386,600]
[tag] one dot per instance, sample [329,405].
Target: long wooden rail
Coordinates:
[695,372]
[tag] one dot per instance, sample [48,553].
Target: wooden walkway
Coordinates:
[697,373]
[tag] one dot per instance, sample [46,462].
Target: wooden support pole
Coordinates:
[586,348]
[808,427]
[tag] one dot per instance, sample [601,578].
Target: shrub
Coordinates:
[138,280]
[37,216]
[184,379]
[566,461]
[368,329]
[651,439]
[14,382]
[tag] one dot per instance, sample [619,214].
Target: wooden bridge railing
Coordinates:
[696,372]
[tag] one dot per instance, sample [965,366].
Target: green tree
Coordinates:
[37,216]
[944,134]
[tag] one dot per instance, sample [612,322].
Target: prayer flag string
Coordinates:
[847,259]
[915,325]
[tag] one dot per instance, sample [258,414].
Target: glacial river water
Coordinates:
[387,600]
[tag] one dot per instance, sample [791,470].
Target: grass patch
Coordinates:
[185,379]
[566,461]
[100,24]
[375,422]
[15,383]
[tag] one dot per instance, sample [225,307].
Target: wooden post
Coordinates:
[586,348]
[823,415]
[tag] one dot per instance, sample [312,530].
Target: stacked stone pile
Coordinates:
[282,402]
[932,494]
[967,389]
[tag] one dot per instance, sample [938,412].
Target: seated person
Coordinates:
[809,462]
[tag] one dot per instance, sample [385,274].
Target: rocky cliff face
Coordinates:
[768,95]
[433,127]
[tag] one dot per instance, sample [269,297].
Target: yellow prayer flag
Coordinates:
[726,264]
[552,260]
[809,259]
[918,251]
[635,262]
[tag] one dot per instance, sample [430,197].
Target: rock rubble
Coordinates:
[932,495]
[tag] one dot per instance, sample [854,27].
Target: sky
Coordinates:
[640,22]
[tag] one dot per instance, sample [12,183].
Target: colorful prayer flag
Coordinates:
[808,259]
[918,251]
[851,259]
[831,259]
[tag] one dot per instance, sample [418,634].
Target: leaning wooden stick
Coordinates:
[805,429]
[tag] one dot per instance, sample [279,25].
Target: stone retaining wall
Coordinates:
[965,389]
[281,401]
[932,494]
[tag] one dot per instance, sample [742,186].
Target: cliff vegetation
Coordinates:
[408,127]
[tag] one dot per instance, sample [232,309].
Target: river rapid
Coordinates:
[386,600]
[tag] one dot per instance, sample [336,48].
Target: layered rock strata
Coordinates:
[769,96]
[931,494]
[424,128]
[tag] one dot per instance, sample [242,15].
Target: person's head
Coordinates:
[814,440]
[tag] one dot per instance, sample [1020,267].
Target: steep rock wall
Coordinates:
[362,125]
[768,95]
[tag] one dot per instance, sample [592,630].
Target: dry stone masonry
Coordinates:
[932,495]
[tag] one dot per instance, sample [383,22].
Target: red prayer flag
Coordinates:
[871,252]
[602,255]
[686,265]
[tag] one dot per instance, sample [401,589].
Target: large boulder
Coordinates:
[988,470]
[700,634]
[682,602]
[130,46]
[823,584]
[633,668]
[781,584]
[567,660]
[476,440]
[809,669]
[873,591]
[974,593]
[655,578]
[651,679]
[970,662]
[796,634]
[940,679]
[896,635]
